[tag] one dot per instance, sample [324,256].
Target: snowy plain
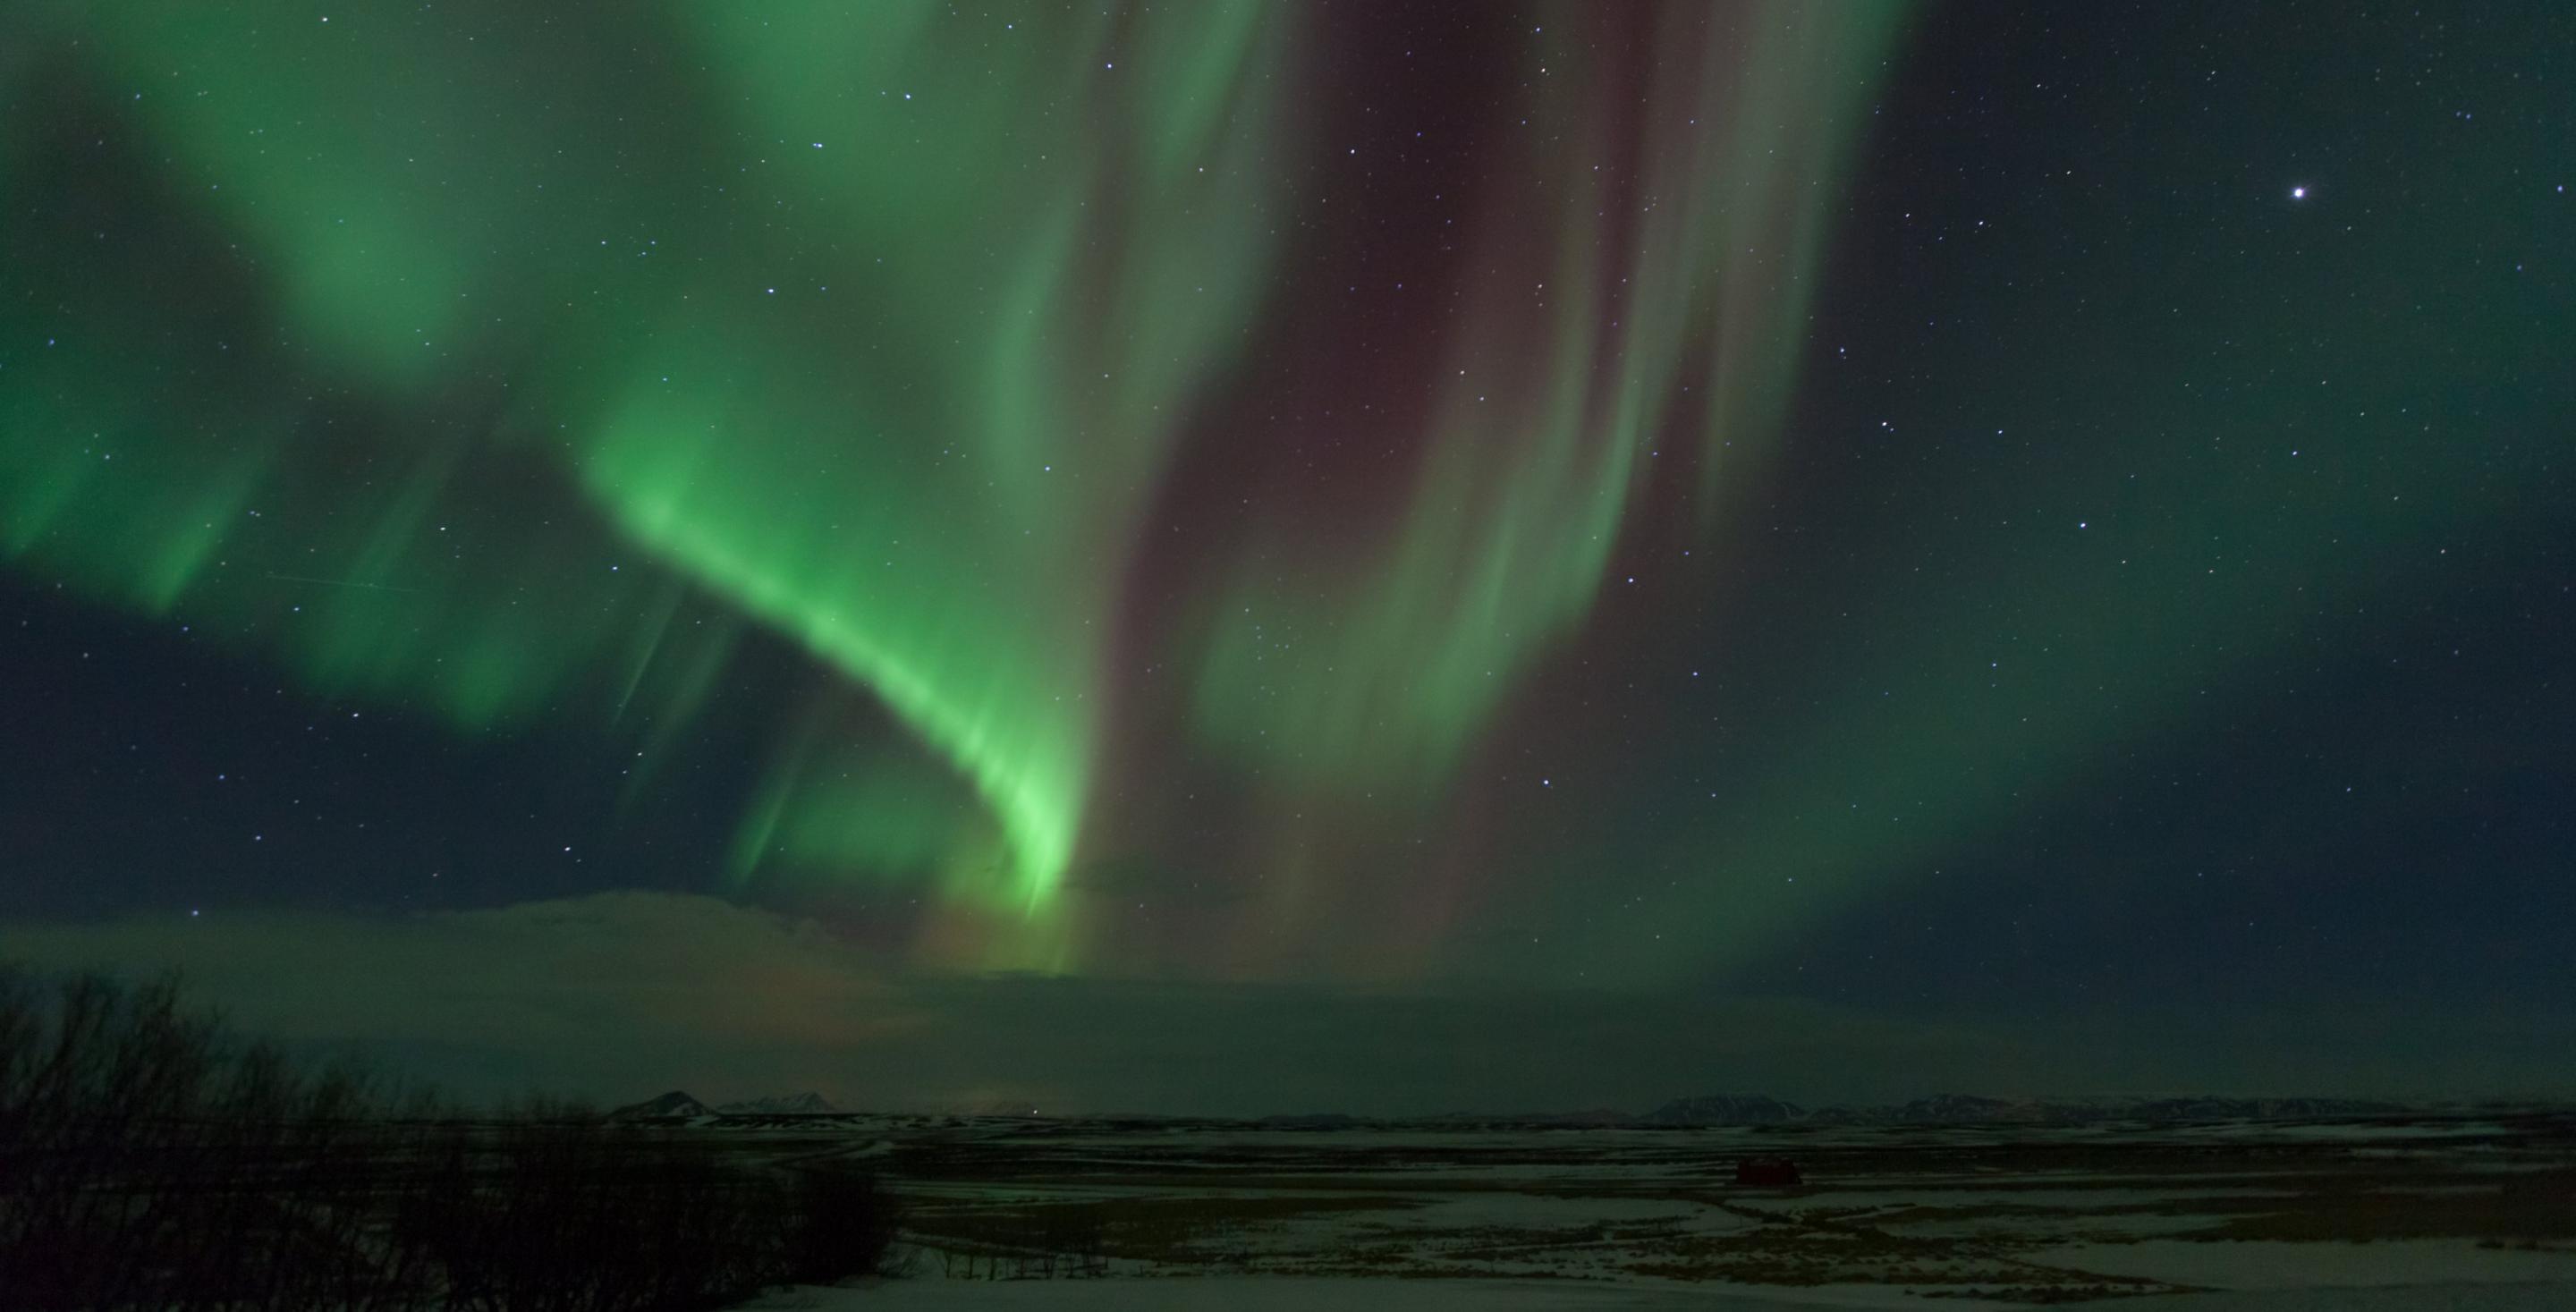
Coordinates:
[2422,1211]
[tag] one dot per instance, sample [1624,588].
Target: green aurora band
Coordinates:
[524,376]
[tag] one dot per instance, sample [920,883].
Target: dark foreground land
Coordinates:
[1884,1216]
[149,1161]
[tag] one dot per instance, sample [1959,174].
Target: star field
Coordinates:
[1995,513]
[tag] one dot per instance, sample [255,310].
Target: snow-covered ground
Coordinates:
[2547,1297]
[1291,1294]
[2388,1264]
[2467,1214]
[1307,1294]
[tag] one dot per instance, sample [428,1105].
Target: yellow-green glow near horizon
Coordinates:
[581,348]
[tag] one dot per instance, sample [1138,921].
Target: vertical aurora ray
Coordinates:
[260,370]
[1479,516]
[808,303]
[930,474]
[517,380]
[1597,289]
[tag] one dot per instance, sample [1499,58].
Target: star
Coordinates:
[2298,193]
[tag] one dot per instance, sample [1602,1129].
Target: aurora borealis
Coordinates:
[1887,507]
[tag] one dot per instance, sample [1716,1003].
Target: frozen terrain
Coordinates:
[2411,1211]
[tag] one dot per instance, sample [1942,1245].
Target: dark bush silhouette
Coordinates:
[149,1161]
[1767,1172]
[844,1226]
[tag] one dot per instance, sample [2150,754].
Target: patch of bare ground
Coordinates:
[2043,1294]
[2530,1208]
[1845,1255]
[1163,1230]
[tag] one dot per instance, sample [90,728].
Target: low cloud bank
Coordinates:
[620,995]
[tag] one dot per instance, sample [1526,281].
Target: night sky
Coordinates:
[1255,557]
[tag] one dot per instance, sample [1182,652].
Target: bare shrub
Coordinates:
[843,1226]
[149,1161]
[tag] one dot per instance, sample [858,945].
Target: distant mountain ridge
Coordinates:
[674,1103]
[1712,1109]
[800,1104]
[1974,1109]
[678,1104]
[1726,1109]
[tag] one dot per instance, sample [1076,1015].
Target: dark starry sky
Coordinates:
[2137,629]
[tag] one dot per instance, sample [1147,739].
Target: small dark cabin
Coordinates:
[1767,1172]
